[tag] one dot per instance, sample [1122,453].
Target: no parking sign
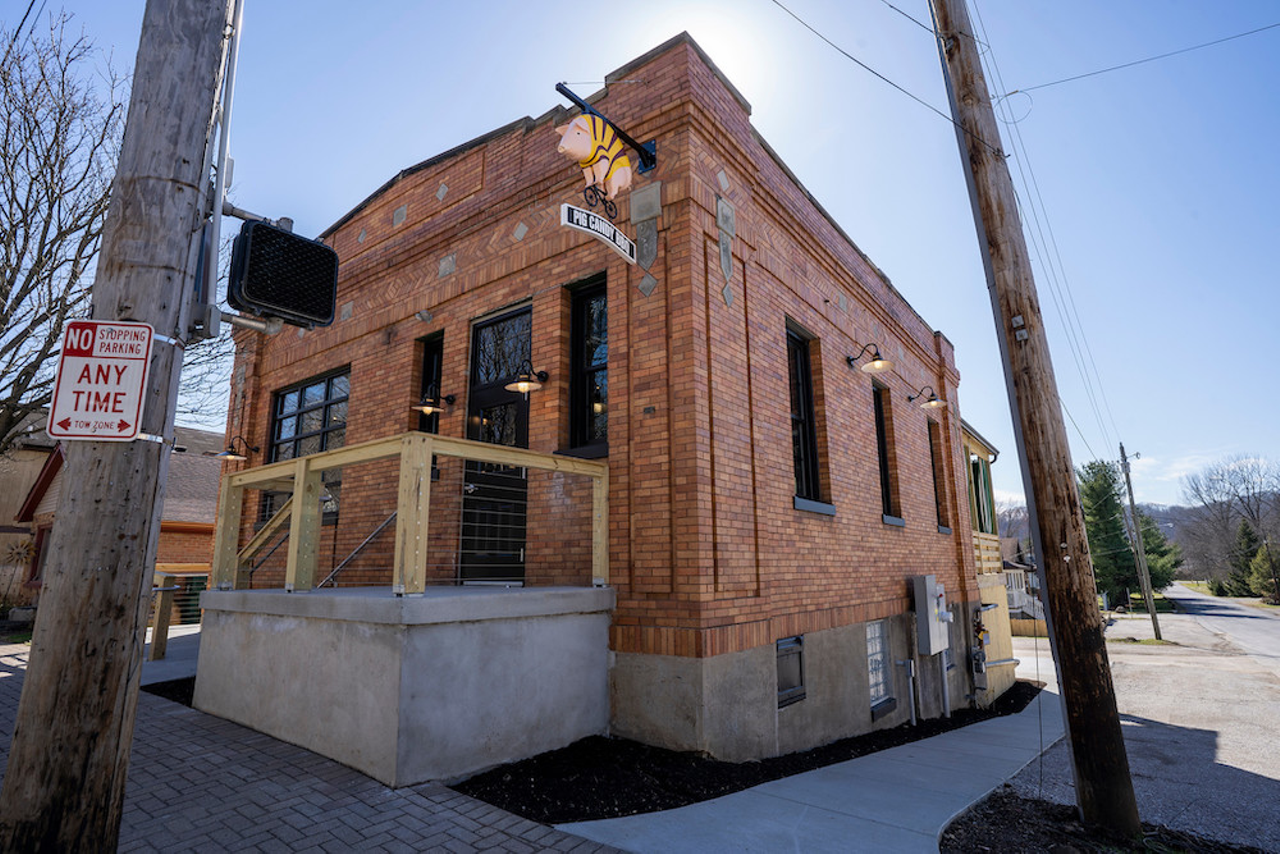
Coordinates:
[102,372]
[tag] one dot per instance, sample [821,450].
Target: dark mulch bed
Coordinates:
[14,631]
[601,777]
[1008,824]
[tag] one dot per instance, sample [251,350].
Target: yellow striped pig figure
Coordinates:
[593,143]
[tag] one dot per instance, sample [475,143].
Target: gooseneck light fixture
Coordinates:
[878,364]
[526,379]
[232,454]
[931,402]
[431,402]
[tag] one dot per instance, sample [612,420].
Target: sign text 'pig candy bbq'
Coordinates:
[102,372]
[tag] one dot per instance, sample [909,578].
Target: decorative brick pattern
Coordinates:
[707,551]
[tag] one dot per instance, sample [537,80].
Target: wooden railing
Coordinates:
[165,587]
[302,477]
[986,552]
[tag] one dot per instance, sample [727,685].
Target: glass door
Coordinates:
[495,497]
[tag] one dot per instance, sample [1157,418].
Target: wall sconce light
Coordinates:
[931,402]
[878,364]
[234,456]
[431,402]
[526,379]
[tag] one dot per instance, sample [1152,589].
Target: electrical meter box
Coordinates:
[932,616]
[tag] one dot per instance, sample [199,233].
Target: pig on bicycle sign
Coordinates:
[102,372]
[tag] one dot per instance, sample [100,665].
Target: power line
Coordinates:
[1045,244]
[868,68]
[1148,59]
[1077,426]
[928,29]
[18,31]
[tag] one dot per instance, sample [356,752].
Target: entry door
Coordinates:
[495,497]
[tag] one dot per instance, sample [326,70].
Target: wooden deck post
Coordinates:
[230,505]
[413,505]
[164,614]
[600,530]
[304,528]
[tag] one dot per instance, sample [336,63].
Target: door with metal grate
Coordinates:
[495,497]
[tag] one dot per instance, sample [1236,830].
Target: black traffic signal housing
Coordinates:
[276,273]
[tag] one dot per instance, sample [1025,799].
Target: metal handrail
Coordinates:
[256,563]
[346,560]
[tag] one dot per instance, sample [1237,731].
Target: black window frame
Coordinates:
[585,369]
[939,475]
[331,479]
[790,670]
[888,484]
[432,370]
[804,432]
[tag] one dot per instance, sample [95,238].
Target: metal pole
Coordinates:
[207,316]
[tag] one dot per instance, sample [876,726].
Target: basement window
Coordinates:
[790,671]
[882,701]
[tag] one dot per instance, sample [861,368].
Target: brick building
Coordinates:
[185,544]
[769,501]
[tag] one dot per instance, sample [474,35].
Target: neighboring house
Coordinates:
[768,502]
[19,469]
[993,644]
[187,525]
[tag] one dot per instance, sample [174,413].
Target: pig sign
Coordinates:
[592,141]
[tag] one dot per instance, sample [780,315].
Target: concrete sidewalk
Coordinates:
[895,800]
[180,655]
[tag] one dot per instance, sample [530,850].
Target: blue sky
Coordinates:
[1159,182]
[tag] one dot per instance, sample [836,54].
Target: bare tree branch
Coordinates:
[62,111]
[1221,495]
[61,115]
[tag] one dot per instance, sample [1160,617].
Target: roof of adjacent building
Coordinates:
[191,490]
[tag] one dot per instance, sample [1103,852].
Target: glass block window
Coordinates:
[878,662]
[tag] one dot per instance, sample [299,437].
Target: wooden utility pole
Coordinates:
[1140,550]
[64,785]
[1104,790]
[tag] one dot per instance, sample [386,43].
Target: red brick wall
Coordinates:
[184,543]
[706,550]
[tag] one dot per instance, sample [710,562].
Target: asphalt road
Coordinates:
[1249,629]
[1200,714]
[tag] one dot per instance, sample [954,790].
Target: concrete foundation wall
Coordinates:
[727,705]
[999,647]
[410,689]
[929,672]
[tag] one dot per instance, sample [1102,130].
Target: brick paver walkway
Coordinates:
[200,783]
